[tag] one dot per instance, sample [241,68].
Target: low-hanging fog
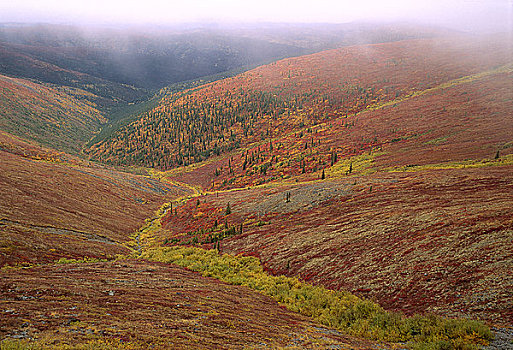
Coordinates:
[465,15]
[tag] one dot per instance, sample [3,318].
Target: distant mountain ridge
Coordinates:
[155,57]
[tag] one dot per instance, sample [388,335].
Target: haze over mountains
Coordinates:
[108,69]
[147,57]
[255,185]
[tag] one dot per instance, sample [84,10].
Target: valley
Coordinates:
[254,209]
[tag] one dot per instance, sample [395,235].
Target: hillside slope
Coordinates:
[384,170]
[144,57]
[429,241]
[292,95]
[102,92]
[455,124]
[140,305]
[153,57]
[56,206]
[61,118]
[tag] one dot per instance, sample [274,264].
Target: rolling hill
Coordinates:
[274,208]
[117,71]
[427,241]
[70,277]
[104,93]
[294,95]
[154,57]
[139,304]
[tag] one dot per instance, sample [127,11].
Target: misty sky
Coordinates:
[460,14]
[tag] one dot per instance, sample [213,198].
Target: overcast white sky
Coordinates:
[464,14]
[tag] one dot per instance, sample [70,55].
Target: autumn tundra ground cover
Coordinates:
[275,100]
[376,174]
[54,205]
[406,202]
[430,241]
[62,118]
[130,304]
[410,133]
[64,221]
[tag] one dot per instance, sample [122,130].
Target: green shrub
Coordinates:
[337,309]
